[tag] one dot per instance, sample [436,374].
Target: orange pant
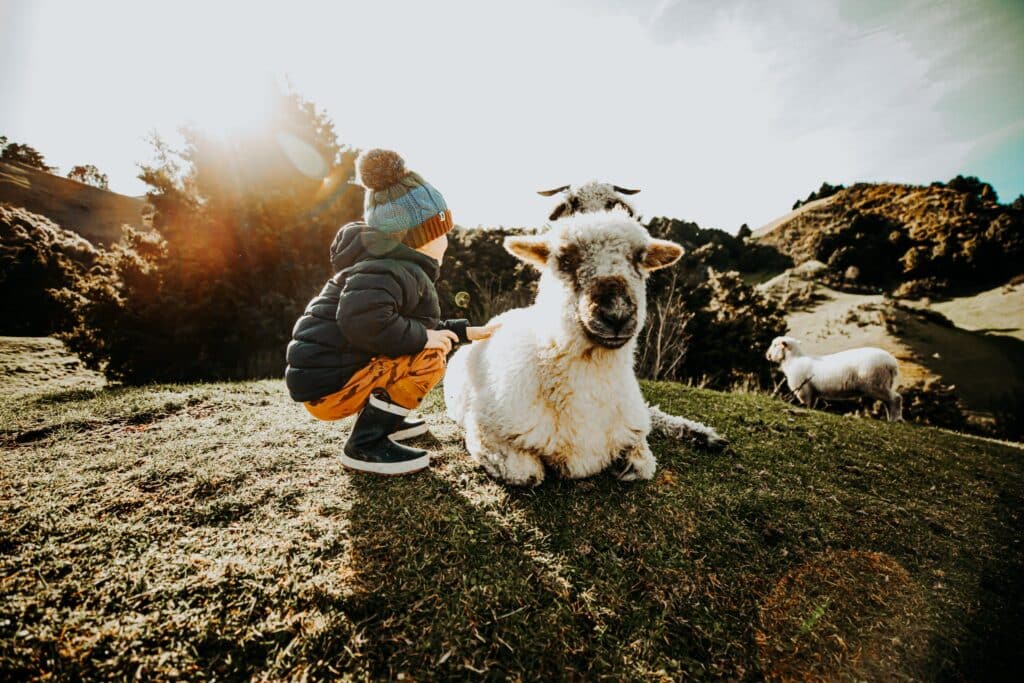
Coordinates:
[407,379]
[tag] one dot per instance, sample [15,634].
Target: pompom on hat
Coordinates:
[399,202]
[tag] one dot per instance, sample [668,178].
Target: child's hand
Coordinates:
[478,333]
[441,339]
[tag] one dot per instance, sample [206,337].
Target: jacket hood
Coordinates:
[357,242]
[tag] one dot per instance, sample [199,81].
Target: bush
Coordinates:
[243,228]
[37,258]
[479,279]
[712,330]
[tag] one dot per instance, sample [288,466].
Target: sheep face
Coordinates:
[592,197]
[782,348]
[594,271]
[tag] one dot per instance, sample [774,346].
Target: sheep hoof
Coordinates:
[629,473]
[520,469]
[716,442]
[640,465]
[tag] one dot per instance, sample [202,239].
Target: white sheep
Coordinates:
[555,386]
[866,371]
[592,197]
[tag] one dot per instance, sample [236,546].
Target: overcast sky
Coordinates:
[722,111]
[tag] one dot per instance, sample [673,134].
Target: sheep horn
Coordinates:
[548,193]
[624,190]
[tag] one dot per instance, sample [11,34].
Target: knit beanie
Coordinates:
[399,202]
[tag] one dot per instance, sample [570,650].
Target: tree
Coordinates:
[13,152]
[90,175]
[243,227]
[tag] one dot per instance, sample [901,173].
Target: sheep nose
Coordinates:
[616,318]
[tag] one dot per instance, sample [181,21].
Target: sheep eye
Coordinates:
[638,258]
[569,261]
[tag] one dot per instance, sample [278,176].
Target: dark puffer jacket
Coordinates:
[381,301]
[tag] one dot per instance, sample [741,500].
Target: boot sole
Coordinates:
[403,434]
[390,469]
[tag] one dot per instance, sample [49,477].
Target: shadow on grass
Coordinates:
[440,588]
[982,366]
[70,396]
[992,651]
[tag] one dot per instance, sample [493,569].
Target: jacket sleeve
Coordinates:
[458,326]
[369,315]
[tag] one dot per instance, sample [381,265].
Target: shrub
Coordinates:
[37,258]
[711,330]
[479,279]
[243,228]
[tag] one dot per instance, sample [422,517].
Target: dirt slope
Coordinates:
[785,219]
[93,213]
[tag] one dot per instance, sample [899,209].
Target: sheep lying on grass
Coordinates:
[555,385]
[865,371]
[591,197]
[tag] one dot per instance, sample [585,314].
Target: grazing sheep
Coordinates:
[865,371]
[592,197]
[554,386]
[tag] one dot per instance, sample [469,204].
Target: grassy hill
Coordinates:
[208,530]
[93,213]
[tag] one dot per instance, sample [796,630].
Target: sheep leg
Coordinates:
[518,468]
[807,395]
[640,462]
[894,407]
[892,401]
[504,462]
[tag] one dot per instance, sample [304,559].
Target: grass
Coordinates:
[208,531]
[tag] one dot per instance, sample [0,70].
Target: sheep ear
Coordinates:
[624,190]
[661,253]
[533,250]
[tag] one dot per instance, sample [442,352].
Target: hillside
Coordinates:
[942,239]
[199,531]
[93,213]
[978,349]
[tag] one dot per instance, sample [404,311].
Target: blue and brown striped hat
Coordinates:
[400,202]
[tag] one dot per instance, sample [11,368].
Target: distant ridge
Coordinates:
[93,213]
[785,218]
[911,240]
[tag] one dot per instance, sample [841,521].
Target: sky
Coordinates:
[720,111]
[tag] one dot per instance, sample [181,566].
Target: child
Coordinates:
[371,342]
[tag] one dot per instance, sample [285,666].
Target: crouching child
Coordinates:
[372,342]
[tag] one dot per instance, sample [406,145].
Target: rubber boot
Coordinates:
[369,449]
[411,426]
